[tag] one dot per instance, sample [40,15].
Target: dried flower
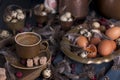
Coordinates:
[19,74]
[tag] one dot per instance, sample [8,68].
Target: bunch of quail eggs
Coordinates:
[66,17]
[40,10]
[14,16]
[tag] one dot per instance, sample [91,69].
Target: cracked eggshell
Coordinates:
[92,51]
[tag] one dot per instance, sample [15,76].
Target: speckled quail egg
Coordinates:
[8,18]
[20,16]
[63,18]
[47,73]
[68,15]
[14,20]
[14,14]
[19,11]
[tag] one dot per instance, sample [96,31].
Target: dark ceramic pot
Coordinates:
[78,8]
[109,8]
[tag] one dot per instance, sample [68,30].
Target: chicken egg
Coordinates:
[113,32]
[82,41]
[106,47]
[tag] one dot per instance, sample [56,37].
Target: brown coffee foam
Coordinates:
[28,39]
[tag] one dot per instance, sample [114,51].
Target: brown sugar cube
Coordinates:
[2,71]
[36,60]
[29,62]
[43,60]
[3,77]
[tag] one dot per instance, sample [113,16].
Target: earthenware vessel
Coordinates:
[109,8]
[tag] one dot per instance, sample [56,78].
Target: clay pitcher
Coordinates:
[78,8]
[109,8]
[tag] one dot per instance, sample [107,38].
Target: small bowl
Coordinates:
[19,25]
[40,18]
[66,25]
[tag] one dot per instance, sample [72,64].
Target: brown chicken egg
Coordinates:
[95,40]
[82,41]
[113,32]
[114,44]
[106,47]
[92,51]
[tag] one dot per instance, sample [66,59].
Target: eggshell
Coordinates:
[82,41]
[95,40]
[113,32]
[114,44]
[92,51]
[105,47]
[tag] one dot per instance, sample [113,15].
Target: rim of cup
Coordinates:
[24,33]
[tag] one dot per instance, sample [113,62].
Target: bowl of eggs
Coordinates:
[14,17]
[41,13]
[92,44]
[66,21]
